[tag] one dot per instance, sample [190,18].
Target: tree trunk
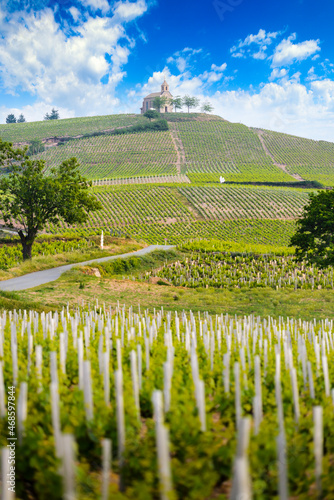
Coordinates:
[26,250]
[27,242]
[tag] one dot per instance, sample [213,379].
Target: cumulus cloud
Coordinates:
[77,67]
[259,42]
[287,52]
[128,11]
[278,73]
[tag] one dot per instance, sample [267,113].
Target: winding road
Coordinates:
[41,277]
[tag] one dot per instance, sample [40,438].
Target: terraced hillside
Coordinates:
[202,146]
[311,160]
[198,147]
[118,156]
[233,150]
[70,127]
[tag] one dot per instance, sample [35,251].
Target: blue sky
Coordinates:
[264,63]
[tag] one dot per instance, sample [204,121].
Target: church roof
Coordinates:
[154,94]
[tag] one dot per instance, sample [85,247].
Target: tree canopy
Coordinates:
[151,114]
[190,102]
[29,198]
[21,119]
[176,102]
[314,238]
[207,107]
[11,118]
[159,102]
[54,115]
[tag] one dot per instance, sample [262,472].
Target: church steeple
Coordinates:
[164,86]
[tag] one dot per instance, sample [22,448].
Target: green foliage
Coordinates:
[159,102]
[207,107]
[190,102]
[129,265]
[21,119]
[36,146]
[176,102]
[11,253]
[314,238]
[201,461]
[151,114]
[54,115]
[11,119]
[30,199]
[142,127]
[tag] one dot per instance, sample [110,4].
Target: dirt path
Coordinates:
[181,157]
[279,165]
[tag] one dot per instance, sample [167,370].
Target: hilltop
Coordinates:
[164,185]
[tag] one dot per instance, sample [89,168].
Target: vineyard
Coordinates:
[158,213]
[70,127]
[312,160]
[128,404]
[233,150]
[246,202]
[220,265]
[11,254]
[110,156]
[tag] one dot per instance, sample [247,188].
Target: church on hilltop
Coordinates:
[148,100]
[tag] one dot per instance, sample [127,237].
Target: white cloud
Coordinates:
[287,52]
[261,41]
[222,67]
[75,13]
[66,68]
[128,11]
[95,5]
[278,73]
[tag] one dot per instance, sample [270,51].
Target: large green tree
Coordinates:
[30,198]
[314,238]
[190,102]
